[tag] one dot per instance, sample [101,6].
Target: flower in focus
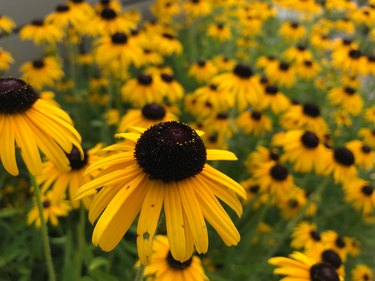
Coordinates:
[164,166]
[53,207]
[33,124]
[163,264]
[42,73]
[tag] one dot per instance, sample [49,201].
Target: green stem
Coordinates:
[81,240]
[140,271]
[43,226]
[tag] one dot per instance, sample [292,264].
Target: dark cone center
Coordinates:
[254,189]
[119,38]
[284,66]
[279,172]
[366,149]
[323,272]
[256,115]
[75,160]
[344,156]
[367,190]
[349,91]
[16,96]
[307,63]
[311,110]
[310,140]
[108,14]
[243,71]
[170,151]
[167,78]
[201,63]
[145,79]
[293,203]
[332,258]
[153,111]
[222,116]
[340,242]
[355,54]
[46,204]
[315,235]
[62,8]
[271,90]
[38,64]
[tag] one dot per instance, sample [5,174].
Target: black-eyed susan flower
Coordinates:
[41,32]
[298,53]
[266,61]
[340,163]
[292,203]
[197,8]
[300,267]
[304,149]
[325,254]
[6,24]
[250,25]
[112,116]
[347,98]
[332,240]
[369,113]
[283,74]
[203,70]
[167,44]
[43,72]
[361,195]
[254,196]
[172,90]
[164,166]
[368,136]
[291,30]
[321,41]
[243,83]
[274,99]
[150,57]
[63,182]
[81,6]
[274,178]
[362,272]
[33,124]
[107,23]
[221,123]
[254,122]
[219,31]
[223,64]
[165,10]
[354,246]
[260,156]
[307,116]
[217,99]
[6,60]
[143,90]
[351,61]
[363,154]
[112,4]
[305,236]
[54,206]
[163,264]
[117,48]
[145,117]
[65,16]
[307,69]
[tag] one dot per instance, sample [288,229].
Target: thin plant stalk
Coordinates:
[140,271]
[44,230]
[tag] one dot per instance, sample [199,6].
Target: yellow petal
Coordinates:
[217,154]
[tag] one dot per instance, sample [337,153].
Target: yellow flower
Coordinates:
[167,44]
[292,31]
[149,115]
[273,99]
[254,122]
[340,163]
[65,16]
[5,60]
[202,70]
[33,124]
[362,272]
[305,236]
[363,154]
[163,264]
[165,10]
[42,73]
[348,98]
[41,32]
[219,31]
[197,8]
[164,166]
[368,136]
[283,74]
[298,53]
[6,24]
[53,207]
[361,195]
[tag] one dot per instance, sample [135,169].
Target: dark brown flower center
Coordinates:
[340,242]
[254,189]
[38,64]
[284,66]
[46,204]
[108,14]
[168,36]
[222,116]
[366,149]
[367,190]
[279,172]
[315,235]
[255,115]
[145,80]
[323,272]
[293,203]
[349,91]
[243,71]
[119,38]
[170,151]
[37,22]
[311,110]
[153,111]
[62,8]
[355,54]
[310,140]
[167,78]
[75,160]
[16,96]
[271,90]
[344,156]
[332,258]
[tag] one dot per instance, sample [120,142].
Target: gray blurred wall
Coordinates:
[24,11]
